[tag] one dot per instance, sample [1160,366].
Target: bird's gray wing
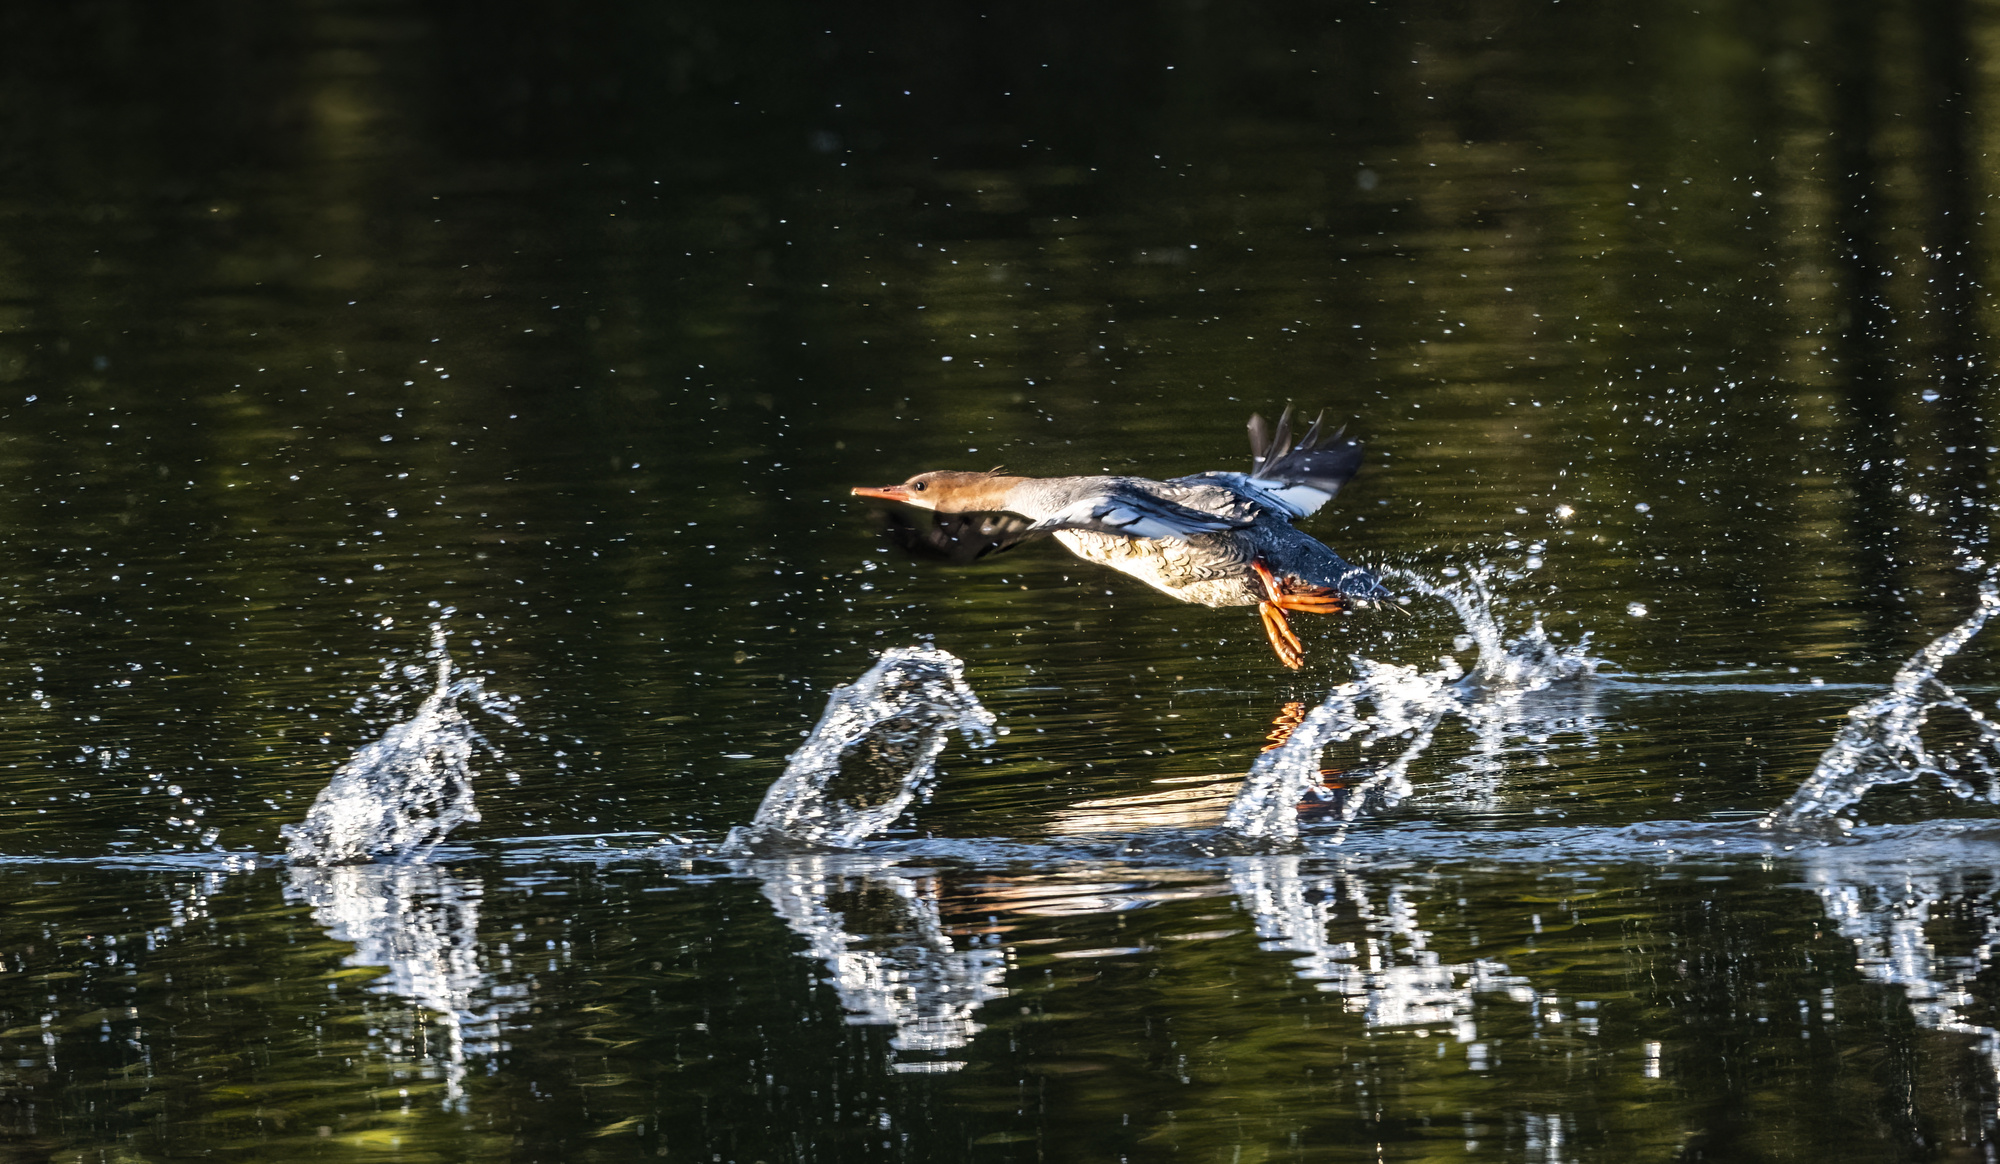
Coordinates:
[1135,514]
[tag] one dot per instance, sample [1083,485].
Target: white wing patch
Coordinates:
[1294,501]
[1302,500]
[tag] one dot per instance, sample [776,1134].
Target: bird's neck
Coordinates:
[983,492]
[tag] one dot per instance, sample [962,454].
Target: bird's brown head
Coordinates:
[946,490]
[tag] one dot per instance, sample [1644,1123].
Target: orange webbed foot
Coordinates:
[1284,642]
[1278,598]
[1315,601]
[1309,599]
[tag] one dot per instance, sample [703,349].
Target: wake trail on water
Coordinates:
[874,753]
[897,958]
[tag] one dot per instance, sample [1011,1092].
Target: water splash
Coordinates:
[397,798]
[1408,707]
[1405,701]
[1517,722]
[1529,661]
[873,751]
[1882,740]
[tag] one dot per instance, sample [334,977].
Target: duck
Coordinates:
[1216,538]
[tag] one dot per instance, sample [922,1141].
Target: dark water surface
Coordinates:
[572,327]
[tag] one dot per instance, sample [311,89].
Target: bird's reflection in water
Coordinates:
[1184,802]
[1286,722]
[1197,802]
[1328,799]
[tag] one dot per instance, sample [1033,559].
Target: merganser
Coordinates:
[1216,538]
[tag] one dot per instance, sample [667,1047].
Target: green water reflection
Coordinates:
[319,321]
[604,1014]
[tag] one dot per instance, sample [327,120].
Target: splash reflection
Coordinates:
[1364,943]
[880,933]
[1896,918]
[902,950]
[420,924]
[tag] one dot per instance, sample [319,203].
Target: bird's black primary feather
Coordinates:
[1324,462]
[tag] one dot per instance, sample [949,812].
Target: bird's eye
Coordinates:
[918,486]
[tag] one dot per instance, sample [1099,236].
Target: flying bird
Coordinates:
[1216,538]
